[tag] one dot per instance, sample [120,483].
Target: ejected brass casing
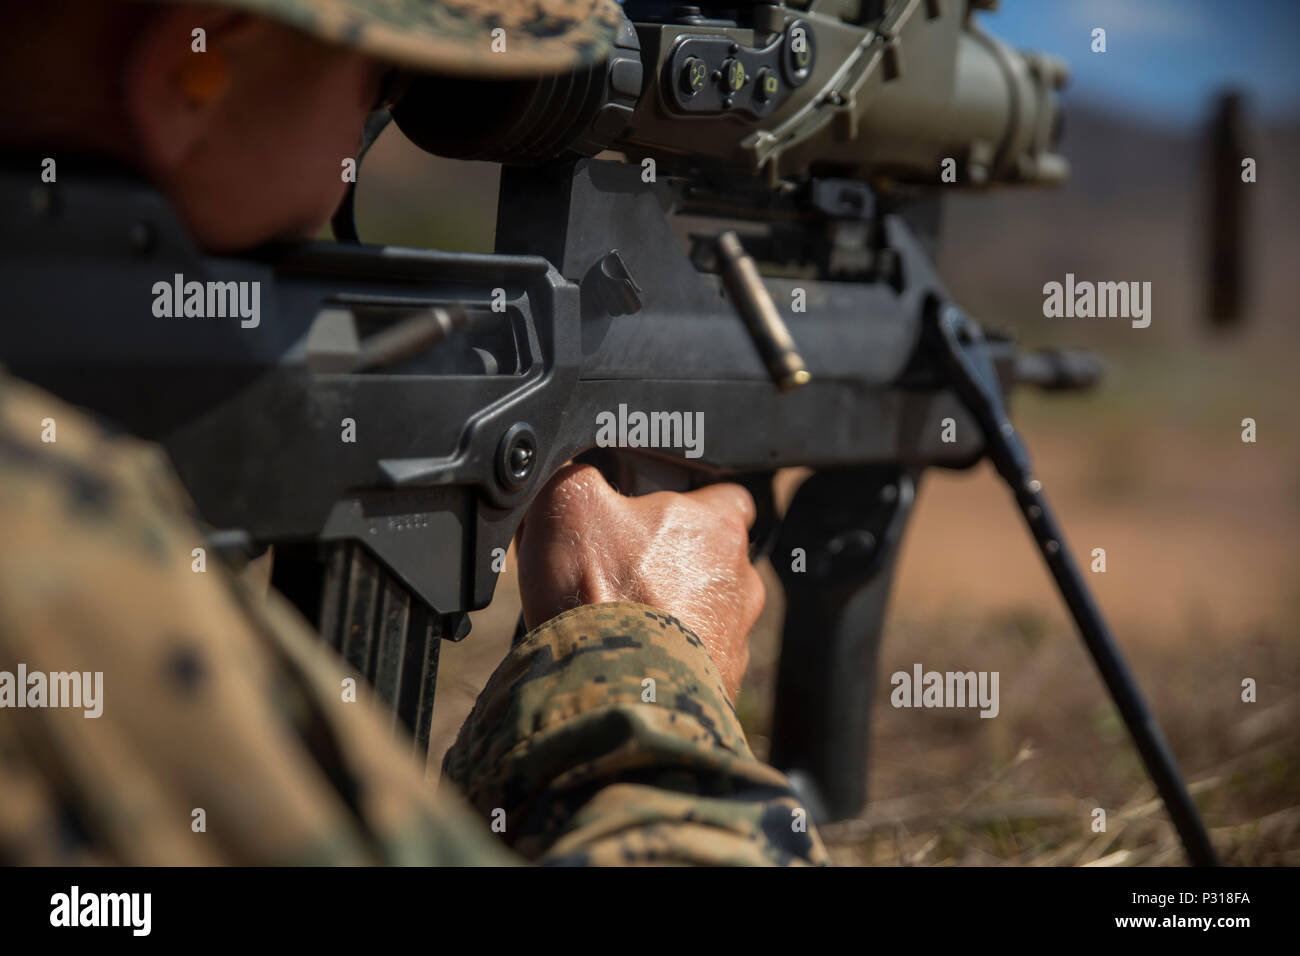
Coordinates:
[755,305]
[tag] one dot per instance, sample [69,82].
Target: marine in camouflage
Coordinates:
[456,36]
[219,698]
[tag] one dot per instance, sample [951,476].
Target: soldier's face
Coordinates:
[260,151]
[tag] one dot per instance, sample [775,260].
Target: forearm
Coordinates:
[606,737]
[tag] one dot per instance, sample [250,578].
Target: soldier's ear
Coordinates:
[180,73]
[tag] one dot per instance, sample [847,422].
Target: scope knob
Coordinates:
[766,85]
[733,75]
[695,75]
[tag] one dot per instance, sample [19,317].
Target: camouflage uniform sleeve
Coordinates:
[212,699]
[605,737]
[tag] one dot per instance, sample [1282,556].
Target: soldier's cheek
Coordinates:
[337,138]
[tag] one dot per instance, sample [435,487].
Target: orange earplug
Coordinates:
[203,78]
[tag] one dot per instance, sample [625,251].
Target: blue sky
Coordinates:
[1164,58]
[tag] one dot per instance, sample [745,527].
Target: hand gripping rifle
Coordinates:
[751,156]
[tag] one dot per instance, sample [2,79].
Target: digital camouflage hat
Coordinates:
[479,37]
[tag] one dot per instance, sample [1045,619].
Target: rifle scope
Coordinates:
[864,89]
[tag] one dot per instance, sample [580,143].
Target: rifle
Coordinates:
[389,414]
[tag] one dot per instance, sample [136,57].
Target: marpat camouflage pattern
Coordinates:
[456,36]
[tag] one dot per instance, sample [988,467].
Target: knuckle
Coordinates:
[743,503]
[584,478]
[575,488]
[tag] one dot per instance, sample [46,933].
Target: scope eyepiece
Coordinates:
[522,122]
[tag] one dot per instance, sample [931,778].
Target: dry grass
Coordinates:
[1056,831]
[948,788]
